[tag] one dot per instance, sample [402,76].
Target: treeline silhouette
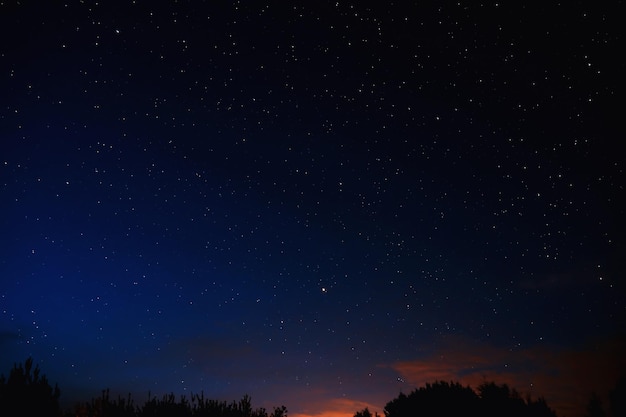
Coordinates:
[453,399]
[27,392]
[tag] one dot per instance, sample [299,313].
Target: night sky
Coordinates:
[319,204]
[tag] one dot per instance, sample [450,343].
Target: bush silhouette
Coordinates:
[27,393]
[437,399]
[443,399]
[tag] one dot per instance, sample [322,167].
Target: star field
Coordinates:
[312,203]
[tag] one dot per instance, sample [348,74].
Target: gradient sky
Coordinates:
[319,204]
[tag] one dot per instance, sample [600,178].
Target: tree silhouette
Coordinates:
[437,399]
[539,407]
[594,407]
[617,398]
[443,399]
[27,393]
[364,413]
[498,400]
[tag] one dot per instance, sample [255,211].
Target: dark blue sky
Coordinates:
[320,205]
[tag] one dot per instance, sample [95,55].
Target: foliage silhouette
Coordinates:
[617,398]
[104,406]
[594,407]
[443,399]
[617,402]
[27,392]
[170,406]
[365,413]
[500,400]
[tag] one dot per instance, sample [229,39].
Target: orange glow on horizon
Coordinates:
[336,407]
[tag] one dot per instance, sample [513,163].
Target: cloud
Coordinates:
[564,377]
